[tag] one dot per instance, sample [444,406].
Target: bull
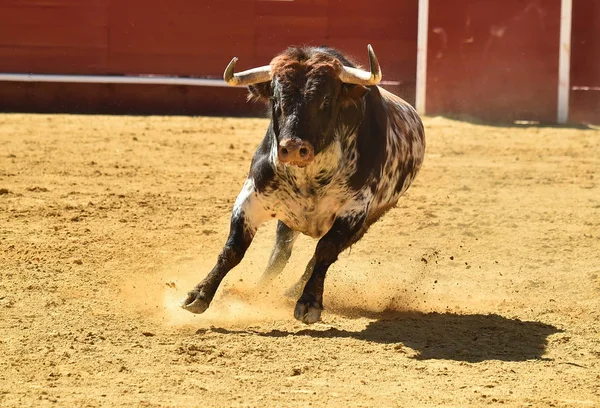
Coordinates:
[338,153]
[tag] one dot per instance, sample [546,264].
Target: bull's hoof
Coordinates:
[308,312]
[195,303]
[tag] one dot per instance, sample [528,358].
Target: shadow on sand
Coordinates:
[448,336]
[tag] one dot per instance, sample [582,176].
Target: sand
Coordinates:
[481,287]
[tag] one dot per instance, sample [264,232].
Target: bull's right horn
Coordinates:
[245,78]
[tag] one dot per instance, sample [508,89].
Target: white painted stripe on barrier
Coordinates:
[125,79]
[113,79]
[564,61]
[422,32]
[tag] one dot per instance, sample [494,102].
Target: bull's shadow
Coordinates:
[448,336]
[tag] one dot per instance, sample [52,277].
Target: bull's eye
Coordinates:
[325,104]
[276,107]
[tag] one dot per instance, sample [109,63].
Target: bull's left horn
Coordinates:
[245,78]
[356,76]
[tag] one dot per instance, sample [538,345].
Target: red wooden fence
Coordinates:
[585,62]
[185,37]
[496,60]
[491,59]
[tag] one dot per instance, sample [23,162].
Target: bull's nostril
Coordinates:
[303,151]
[283,151]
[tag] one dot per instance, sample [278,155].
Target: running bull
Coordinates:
[338,154]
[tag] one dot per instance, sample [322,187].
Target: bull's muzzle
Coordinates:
[295,152]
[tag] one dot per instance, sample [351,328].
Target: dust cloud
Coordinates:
[354,290]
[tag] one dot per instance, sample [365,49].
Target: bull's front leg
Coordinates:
[344,232]
[246,217]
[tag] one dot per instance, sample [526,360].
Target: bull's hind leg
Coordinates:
[296,289]
[247,216]
[284,241]
[343,233]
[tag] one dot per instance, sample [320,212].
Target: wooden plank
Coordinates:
[189,37]
[175,64]
[148,38]
[372,27]
[383,19]
[55,3]
[78,25]
[403,10]
[372,6]
[51,36]
[171,23]
[52,60]
[185,41]
[480,48]
[125,99]
[309,27]
[182,37]
[59,36]
[291,8]
[585,53]
[584,106]
[585,62]
[89,14]
[262,4]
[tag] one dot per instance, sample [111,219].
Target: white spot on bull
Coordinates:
[249,205]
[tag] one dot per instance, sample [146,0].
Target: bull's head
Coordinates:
[307,89]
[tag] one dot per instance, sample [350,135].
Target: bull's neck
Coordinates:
[348,122]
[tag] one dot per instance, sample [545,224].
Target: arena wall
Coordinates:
[186,38]
[492,60]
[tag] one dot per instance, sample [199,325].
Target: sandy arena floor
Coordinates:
[482,287]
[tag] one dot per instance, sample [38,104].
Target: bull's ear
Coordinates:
[260,92]
[352,93]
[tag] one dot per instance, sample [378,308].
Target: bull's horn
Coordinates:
[245,78]
[360,77]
